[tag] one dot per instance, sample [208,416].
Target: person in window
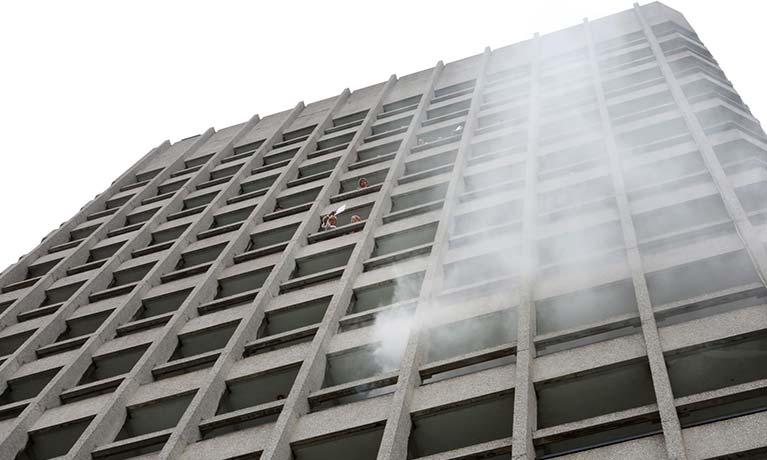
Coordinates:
[328,221]
[362,183]
[355,218]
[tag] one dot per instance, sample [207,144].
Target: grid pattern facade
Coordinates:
[560,252]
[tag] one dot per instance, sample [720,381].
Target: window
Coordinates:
[585,306]
[322,262]
[243,282]
[9,344]
[200,256]
[297,199]
[130,275]
[458,87]
[482,218]
[203,341]
[26,387]
[407,239]
[409,102]
[298,133]
[271,237]
[169,234]
[480,269]
[357,364]
[467,337]
[717,365]
[293,317]
[83,325]
[461,425]
[593,393]
[349,119]
[700,277]
[199,200]
[357,444]
[258,184]
[386,293]
[379,151]
[104,252]
[158,305]
[418,197]
[232,217]
[60,294]
[198,161]
[273,385]
[154,416]
[112,364]
[54,441]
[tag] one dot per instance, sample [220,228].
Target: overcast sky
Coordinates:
[88,87]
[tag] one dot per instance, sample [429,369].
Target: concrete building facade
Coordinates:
[558,250]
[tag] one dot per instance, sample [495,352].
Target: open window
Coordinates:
[700,277]
[150,418]
[357,444]
[112,364]
[386,293]
[203,341]
[26,387]
[161,304]
[461,425]
[293,317]
[593,393]
[478,343]
[54,441]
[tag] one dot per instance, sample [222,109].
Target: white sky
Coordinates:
[88,87]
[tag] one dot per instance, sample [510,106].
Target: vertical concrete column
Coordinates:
[206,400]
[663,394]
[745,229]
[312,370]
[525,411]
[396,434]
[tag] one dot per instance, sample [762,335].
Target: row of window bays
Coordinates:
[736,266]
[416,169]
[637,80]
[464,339]
[683,177]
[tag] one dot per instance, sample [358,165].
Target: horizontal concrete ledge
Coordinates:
[86,267]
[314,278]
[144,324]
[91,389]
[414,211]
[261,252]
[247,196]
[388,259]
[183,365]
[242,415]
[355,193]
[112,292]
[186,272]
[62,346]
[371,383]
[220,304]
[597,424]
[127,445]
[467,360]
[336,232]
[280,340]
[218,230]
[152,249]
